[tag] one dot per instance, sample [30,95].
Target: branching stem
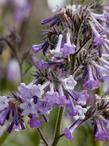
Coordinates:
[42,137]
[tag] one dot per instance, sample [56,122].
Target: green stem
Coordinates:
[42,137]
[58,127]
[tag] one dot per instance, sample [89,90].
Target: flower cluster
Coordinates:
[75,66]
[76,49]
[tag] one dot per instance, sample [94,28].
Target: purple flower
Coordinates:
[42,65]
[52,97]
[43,107]
[34,122]
[50,21]
[101,16]
[28,107]
[101,70]
[30,95]
[31,98]
[91,83]
[102,136]
[69,83]
[68,132]
[102,133]
[26,92]
[4,116]
[56,99]
[77,112]
[37,48]
[65,50]
[80,97]
[17,123]
[4,109]
[68,48]
[76,109]
[16,127]
[8,108]
[100,40]
[72,111]
[62,101]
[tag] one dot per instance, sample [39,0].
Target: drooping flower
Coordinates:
[50,21]
[100,70]
[68,132]
[37,48]
[68,47]
[77,112]
[102,133]
[100,39]
[42,65]
[91,83]
[35,122]
[81,97]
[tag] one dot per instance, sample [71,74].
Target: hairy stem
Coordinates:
[58,127]
[42,137]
